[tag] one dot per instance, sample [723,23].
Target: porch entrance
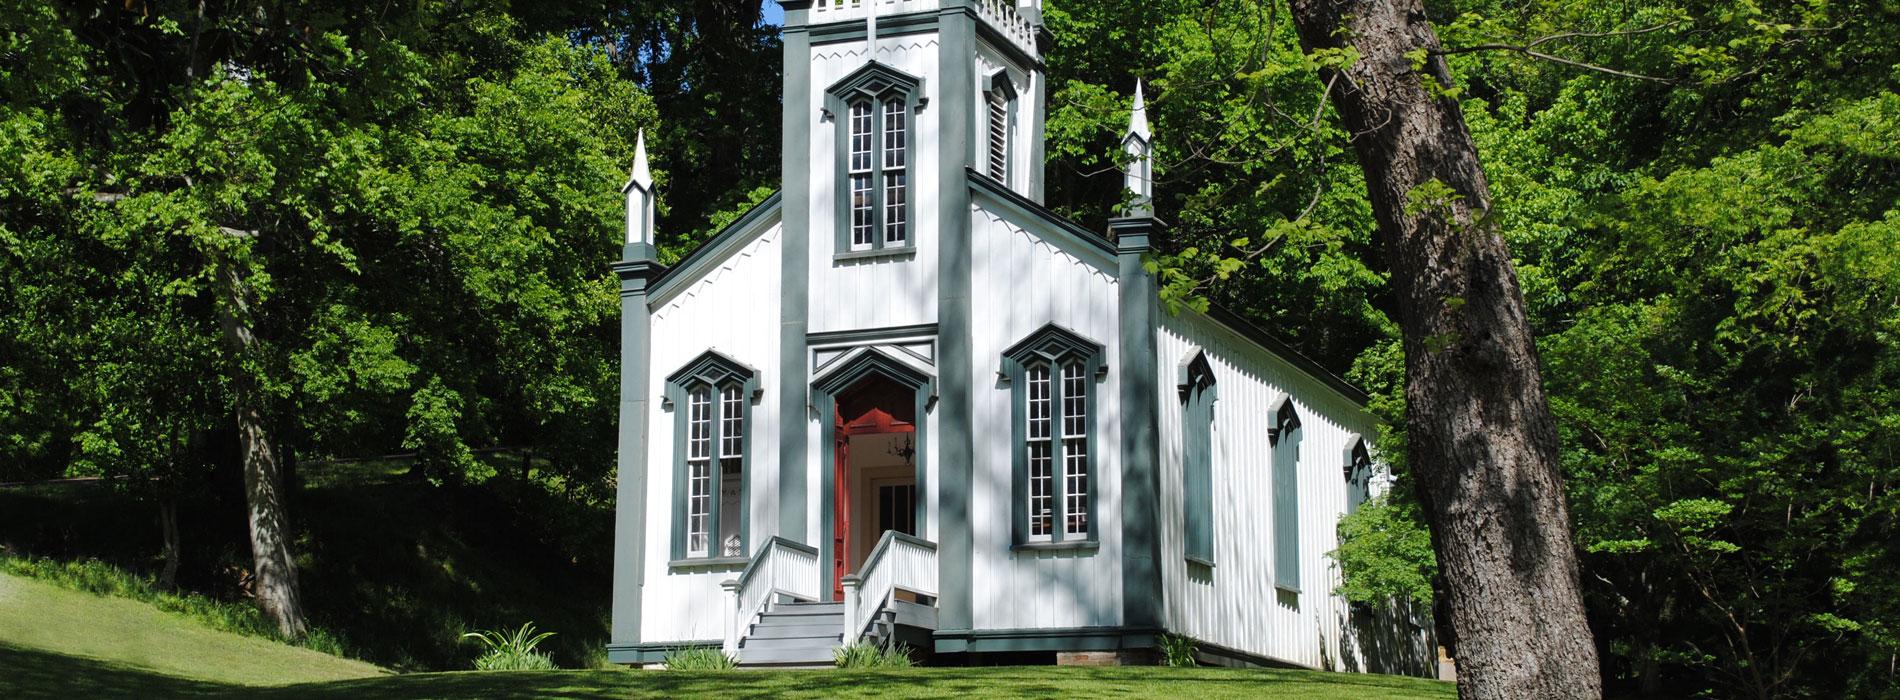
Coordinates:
[874,471]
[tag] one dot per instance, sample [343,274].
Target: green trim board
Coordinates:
[629,548]
[795,127]
[825,388]
[1137,307]
[716,373]
[652,652]
[716,249]
[872,335]
[956,447]
[1054,347]
[876,84]
[1047,639]
[1198,393]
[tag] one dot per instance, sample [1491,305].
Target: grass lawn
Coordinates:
[61,643]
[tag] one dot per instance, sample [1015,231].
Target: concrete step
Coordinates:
[781,629]
[822,643]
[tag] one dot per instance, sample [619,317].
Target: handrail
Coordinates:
[898,562]
[780,567]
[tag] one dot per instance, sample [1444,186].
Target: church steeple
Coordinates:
[1138,144]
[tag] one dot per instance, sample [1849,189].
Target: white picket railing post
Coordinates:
[733,617]
[852,625]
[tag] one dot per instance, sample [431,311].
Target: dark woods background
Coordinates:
[419,200]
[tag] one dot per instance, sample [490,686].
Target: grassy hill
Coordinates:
[394,570]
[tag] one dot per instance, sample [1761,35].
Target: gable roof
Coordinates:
[708,254]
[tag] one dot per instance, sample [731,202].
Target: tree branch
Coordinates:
[1530,49]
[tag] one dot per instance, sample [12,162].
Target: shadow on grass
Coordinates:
[32,673]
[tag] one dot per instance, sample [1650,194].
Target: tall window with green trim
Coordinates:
[711,398]
[1285,438]
[1052,376]
[874,110]
[1197,459]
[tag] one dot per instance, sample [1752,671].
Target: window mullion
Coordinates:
[877,172]
[1059,451]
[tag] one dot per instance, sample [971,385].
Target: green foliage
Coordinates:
[865,654]
[1177,651]
[1385,554]
[511,651]
[692,659]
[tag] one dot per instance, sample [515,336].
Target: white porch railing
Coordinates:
[1000,14]
[781,567]
[899,563]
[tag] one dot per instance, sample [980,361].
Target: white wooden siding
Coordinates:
[1020,283]
[879,292]
[733,308]
[1238,606]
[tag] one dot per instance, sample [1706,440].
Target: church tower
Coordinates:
[890,108]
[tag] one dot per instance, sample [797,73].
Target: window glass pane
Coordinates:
[698,470]
[896,126]
[896,223]
[860,136]
[1041,453]
[731,423]
[1075,449]
[861,210]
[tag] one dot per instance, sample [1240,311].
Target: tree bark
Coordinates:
[168,529]
[1480,435]
[274,573]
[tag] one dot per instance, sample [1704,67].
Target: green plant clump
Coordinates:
[865,654]
[512,651]
[699,659]
[1177,652]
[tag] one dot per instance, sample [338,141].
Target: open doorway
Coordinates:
[875,470]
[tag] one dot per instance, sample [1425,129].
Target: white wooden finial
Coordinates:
[639,192]
[1139,145]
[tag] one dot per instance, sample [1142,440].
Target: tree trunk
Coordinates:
[275,575]
[168,528]
[1480,435]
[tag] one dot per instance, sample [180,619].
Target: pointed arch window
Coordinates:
[1358,474]
[1052,376]
[1285,437]
[1198,393]
[875,109]
[711,398]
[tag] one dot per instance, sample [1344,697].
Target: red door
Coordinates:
[841,509]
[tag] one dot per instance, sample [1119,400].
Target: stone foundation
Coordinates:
[1121,657]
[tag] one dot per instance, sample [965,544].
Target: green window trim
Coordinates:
[1070,443]
[876,85]
[1285,437]
[1198,391]
[721,377]
[1358,474]
[999,95]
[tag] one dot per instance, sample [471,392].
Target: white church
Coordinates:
[902,401]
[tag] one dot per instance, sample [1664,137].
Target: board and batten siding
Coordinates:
[727,309]
[1022,282]
[878,292]
[1236,603]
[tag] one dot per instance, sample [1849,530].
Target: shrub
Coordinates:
[699,659]
[863,654]
[1177,651]
[512,651]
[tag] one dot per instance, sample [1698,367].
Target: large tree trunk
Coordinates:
[1480,435]
[275,583]
[168,529]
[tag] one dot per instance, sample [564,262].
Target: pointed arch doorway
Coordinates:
[875,479]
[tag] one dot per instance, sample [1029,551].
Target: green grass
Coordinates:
[40,620]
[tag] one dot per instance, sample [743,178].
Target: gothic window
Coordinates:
[1197,458]
[1285,437]
[712,399]
[874,108]
[1358,473]
[1052,377]
[999,119]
